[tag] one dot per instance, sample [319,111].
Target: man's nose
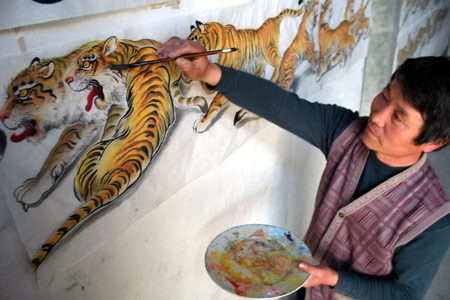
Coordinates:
[379,115]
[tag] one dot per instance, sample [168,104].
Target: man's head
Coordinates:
[411,115]
[425,84]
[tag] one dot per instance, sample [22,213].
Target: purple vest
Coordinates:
[361,235]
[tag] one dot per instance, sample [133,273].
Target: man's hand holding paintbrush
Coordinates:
[196,68]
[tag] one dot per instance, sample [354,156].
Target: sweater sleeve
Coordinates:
[318,124]
[415,265]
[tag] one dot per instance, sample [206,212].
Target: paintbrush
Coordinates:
[162,60]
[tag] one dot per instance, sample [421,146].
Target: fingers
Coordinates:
[175,47]
[197,68]
[188,67]
[319,275]
[305,267]
[167,48]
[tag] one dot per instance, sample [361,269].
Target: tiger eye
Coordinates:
[86,64]
[23,93]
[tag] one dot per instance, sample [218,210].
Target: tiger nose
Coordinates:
[69,79]
[4,116]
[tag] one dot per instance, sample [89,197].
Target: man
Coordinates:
[381,222]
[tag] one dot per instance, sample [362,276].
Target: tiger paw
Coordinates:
[33,191]
[201,125]
[243,115]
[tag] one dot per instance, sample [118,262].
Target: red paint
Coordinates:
[240,288]
[27,132]
[235,285]
[4,116]
[97,90]
[215,267]
[69,79]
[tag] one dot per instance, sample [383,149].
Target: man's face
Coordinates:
[392,127]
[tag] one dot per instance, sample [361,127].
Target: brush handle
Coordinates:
[163,60]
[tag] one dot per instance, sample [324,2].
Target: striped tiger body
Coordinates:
[38,102]
[302,47]
[334,44]
[359,23]
[257,48]
[112,165]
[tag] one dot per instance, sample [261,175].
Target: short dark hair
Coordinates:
[425,84]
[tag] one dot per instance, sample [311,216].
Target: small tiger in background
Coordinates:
[359,22]
[301,48]
[335,44]
[257,48]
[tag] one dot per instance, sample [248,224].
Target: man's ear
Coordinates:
[431,146]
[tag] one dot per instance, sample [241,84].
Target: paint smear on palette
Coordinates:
[258,266]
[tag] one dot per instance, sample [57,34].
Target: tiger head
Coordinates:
[205,34]
[93,72]
[31,96]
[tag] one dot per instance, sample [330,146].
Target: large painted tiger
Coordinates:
[132,134]
[257,48]
[302,47]
[38,101]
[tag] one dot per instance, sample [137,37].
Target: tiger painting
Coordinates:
[114,121]
[302,47]
[133,132]
[38,101]
[422,36]
[335,44]
[257,48]
[359,22]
